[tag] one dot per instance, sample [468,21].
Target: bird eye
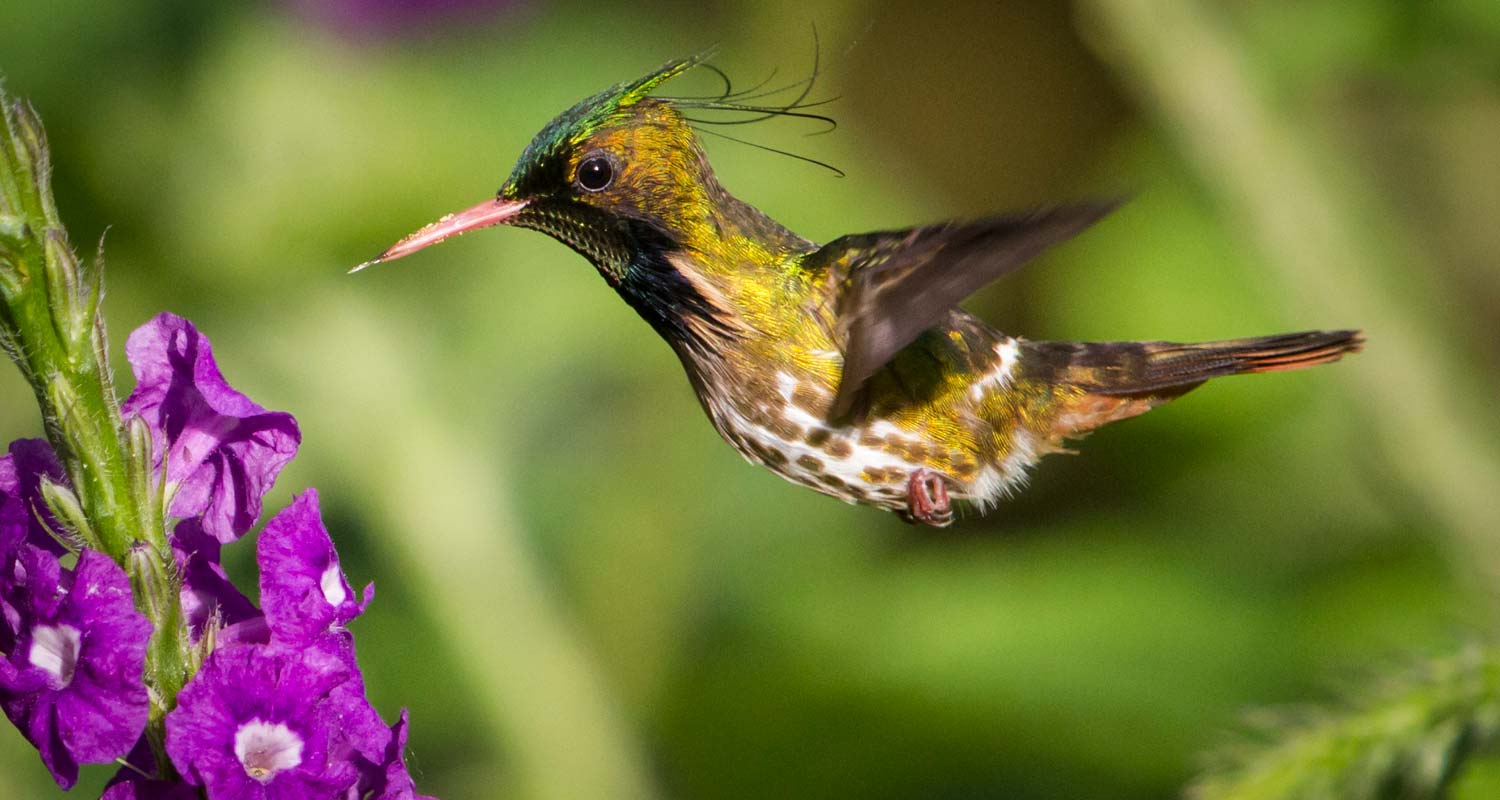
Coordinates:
[595,173]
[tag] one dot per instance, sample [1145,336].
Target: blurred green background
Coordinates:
[584,593]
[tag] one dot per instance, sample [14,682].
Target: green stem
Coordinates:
[154,579]
[50,316]
[51,327]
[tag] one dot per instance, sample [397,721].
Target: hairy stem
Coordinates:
[51,327]
[53,334]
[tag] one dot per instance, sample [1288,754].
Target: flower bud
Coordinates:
[68,512]
[138,436]
[149,581]
[148,493]
[64,296]
[207,641]
[25,200]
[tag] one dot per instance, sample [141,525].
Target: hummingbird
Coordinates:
[846,367]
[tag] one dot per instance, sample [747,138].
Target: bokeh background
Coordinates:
[584,593]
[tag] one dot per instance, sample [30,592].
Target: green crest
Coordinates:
[548,150]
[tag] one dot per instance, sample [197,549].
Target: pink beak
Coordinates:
[490,212]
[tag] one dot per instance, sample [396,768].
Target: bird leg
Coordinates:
[927,500]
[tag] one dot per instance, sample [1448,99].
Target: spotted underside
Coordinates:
[963,401]
[957,403]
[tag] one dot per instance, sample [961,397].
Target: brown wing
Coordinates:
[893,285]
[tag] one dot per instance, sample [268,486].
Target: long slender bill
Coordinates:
[491,212]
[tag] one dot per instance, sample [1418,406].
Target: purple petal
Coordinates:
[250,631]
[279,700]
[24,516]
[223,451]
[106,710]
[76,691]
[13,597]
[41,584]
[208,594]
[189,539]
[12,521]
[55,756]
[206,588]
[302,589]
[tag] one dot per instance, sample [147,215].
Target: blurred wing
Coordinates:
[893,285]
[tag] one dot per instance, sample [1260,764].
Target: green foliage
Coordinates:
[1406,739]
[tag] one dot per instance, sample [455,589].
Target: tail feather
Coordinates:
[1145,367]
[1169,365]
[1122,379]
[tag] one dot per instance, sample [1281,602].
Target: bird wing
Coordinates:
[890,286]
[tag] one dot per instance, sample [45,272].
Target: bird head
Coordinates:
[617,172]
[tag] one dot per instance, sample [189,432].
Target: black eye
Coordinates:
[595,173]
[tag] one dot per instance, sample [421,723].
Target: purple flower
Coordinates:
[266,722]
[24,516]
[278,710]
[302,589]
[207,593]
[222,451]
[76,651]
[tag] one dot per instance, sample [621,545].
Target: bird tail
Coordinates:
[1119,380]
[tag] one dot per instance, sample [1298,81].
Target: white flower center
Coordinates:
[54,649]
[333,585]
[266,748]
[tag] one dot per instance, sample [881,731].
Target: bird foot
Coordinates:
[927,500]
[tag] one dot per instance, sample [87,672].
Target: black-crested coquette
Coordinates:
[846,367]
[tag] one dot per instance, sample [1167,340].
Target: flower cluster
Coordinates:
[276,707]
